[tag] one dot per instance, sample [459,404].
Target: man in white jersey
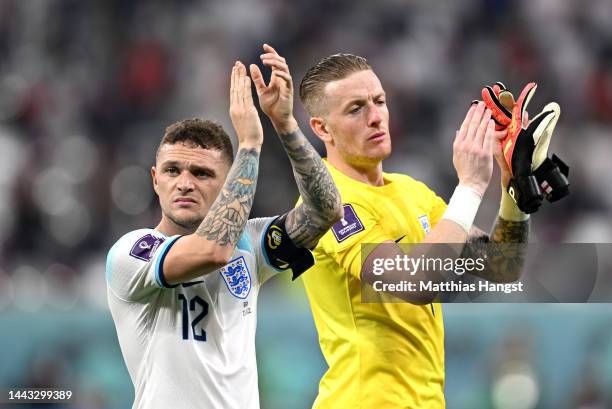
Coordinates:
[184,294]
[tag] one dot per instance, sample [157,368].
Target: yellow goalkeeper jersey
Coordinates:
[380,356]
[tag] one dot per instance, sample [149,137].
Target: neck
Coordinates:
[169,228]
[370,174]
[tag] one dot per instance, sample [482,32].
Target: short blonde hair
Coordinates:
[332,68]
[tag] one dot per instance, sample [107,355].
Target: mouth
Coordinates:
[184,201]
[377,137]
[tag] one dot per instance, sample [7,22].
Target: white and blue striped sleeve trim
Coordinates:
[159,262]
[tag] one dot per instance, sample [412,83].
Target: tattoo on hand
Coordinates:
[230,211]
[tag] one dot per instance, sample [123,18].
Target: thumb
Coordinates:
[500,135]
[258,80]
[540,122]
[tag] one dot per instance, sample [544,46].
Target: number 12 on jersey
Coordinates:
[192,305]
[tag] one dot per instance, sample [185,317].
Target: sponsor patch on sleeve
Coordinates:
[347,226]
[145,247]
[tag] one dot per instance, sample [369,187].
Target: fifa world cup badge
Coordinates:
[348,226]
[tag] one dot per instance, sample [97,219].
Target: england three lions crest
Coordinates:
[237,277]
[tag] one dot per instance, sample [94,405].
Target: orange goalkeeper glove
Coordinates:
[534,175]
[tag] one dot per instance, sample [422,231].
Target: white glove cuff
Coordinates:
[463,206]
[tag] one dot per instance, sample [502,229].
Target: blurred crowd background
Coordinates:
[87,89]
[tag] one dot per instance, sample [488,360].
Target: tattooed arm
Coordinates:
[504,250]
[214,241]
[229,213]
[321,205]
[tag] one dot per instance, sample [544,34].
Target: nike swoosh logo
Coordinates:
[398,240]
[191,283]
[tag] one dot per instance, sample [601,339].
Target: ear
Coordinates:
[319,127]
[154,178]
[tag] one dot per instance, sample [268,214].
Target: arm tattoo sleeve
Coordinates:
[505,250]
[321,199]
[230,211]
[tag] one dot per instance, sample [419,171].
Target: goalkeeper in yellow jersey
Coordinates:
[391,355]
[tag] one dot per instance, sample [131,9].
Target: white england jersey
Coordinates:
[191,345]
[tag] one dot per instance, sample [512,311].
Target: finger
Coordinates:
[257,77]
[233,85]
[482,129]
[525,118]
[285,76]
[488,137]
[246,85]
[275,63]
[475,122]
[278,67]
[272,56]
[500,135]
[248,95]
[507,100]
[269,49]
[241,87]
[464,126]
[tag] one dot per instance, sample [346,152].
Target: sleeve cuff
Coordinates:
[159,264]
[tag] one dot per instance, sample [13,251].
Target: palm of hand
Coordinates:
[246,122]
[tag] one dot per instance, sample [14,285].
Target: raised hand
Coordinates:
[473,149]
[243,113]
[275,98]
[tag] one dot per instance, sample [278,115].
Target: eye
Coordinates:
[381,101]
[172,170]
[354,109]
[202,174]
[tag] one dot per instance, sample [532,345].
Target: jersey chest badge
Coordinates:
[237,277]
[424,223]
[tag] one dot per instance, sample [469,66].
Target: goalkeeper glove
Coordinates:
[534,175]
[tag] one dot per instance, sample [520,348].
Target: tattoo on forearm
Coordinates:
[321,199]
[230,211]
[505,231]
[505,250]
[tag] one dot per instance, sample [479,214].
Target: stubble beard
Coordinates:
[187,224]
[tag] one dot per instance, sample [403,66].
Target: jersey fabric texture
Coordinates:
[380,355]
[190,345]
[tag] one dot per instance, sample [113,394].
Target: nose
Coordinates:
[374,116]
[185,182]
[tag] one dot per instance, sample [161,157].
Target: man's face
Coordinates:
[357,118]
[187,179]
